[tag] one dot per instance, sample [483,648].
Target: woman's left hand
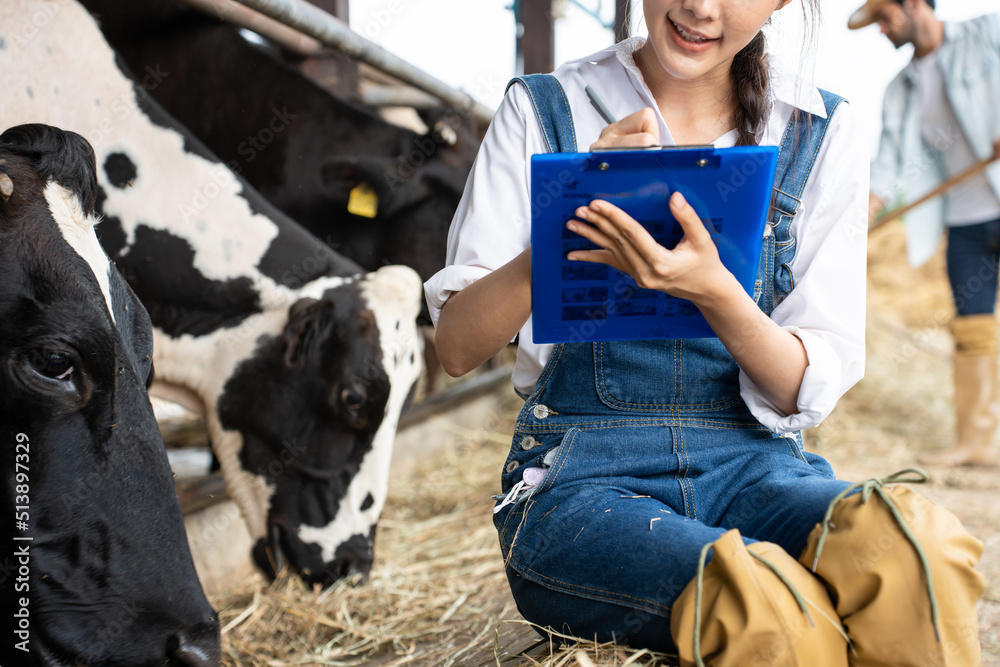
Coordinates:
[692,270]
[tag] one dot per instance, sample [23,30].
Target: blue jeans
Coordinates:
[973,258]
[655,455]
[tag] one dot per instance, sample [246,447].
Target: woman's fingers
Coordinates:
[624,243]
[639,129]
[694,228]
[636,140]
[621,234]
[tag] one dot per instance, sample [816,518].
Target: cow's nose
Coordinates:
[198,646]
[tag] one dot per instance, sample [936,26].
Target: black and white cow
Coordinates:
[300,146]
[300,360]
[96,569]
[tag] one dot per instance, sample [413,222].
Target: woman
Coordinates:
[635,462]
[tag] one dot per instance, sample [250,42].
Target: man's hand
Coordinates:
[875,206]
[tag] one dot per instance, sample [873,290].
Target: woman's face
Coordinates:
[695,38]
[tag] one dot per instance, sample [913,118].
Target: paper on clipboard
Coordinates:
[572,301]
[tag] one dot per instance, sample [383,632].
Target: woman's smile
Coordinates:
[689,39]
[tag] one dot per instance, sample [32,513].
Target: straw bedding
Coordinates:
[437,594]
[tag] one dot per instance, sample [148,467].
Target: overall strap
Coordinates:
[552,109]
[799,147]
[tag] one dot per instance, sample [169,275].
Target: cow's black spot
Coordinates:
[3,44]
[296,257]
[109,232]
[180,299]
[31,93]
[121,171]
[368,502]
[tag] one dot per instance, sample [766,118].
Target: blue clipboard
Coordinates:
[729,188]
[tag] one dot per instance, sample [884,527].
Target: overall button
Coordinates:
[529,443]
[512,466]
[541,411]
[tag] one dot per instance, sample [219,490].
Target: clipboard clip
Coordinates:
[617,149]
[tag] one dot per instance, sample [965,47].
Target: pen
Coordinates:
[599,104]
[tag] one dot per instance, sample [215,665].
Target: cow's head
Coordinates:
[105,576]
[317,408]
[417,189]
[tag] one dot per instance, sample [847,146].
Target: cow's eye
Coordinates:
[50,363]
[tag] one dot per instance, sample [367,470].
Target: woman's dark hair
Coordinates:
[750,78]
[750,74]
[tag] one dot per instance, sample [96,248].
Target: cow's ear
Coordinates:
[397,183]
[309,323]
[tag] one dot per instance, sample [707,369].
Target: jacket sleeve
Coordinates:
[886,168]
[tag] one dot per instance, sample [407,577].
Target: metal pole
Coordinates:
[244,17]
[335,33]
[538,39]
[623,10]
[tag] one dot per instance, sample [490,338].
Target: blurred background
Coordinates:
[471,45]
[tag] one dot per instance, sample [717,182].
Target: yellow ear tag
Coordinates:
[363,201]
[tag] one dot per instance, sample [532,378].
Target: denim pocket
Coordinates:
[692,374]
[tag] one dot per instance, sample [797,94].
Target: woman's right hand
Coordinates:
[637,130]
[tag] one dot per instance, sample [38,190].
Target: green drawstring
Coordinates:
[699,583]
[876,485]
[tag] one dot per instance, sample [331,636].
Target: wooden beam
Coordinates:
[538,40]
[623,10]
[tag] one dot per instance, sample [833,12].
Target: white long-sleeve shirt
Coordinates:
[825,310]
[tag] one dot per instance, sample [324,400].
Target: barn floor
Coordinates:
[438,596]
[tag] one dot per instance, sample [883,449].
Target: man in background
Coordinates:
[941,116]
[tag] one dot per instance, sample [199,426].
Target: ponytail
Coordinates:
[750,79]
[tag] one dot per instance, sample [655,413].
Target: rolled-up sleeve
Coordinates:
[826,307]
[492,224]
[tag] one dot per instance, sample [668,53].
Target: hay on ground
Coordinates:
[438,594]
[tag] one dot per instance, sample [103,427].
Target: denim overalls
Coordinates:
[649,452]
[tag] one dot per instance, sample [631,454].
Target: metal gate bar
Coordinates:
[333,32]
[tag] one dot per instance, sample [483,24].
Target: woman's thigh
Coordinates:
[784,505]
[594,560]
